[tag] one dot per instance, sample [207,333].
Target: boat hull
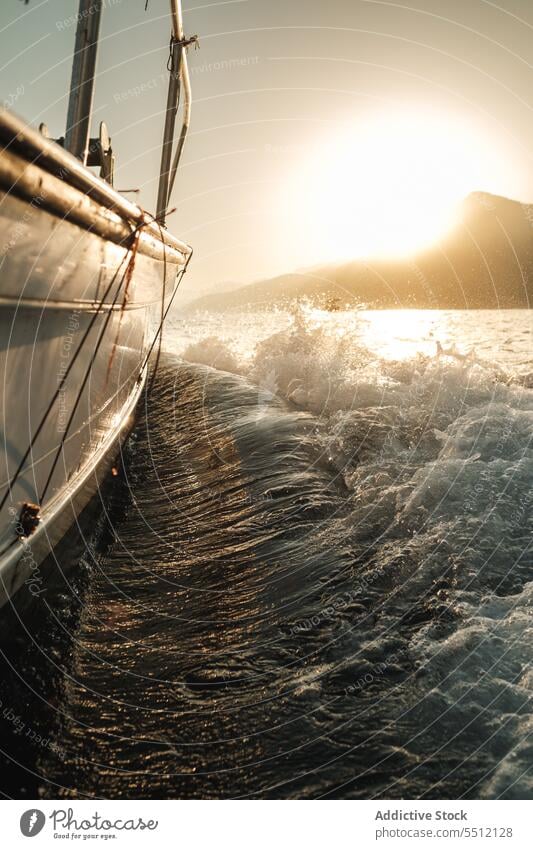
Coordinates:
[85,279]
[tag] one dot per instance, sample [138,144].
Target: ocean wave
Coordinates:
[434,452]
[320,581]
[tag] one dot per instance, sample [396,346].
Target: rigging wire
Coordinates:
[158,335]
[84,383]
[60,386]
[130,258]
[159,332]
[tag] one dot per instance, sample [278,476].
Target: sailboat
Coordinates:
[86,280]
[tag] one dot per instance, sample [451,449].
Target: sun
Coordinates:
[387,186]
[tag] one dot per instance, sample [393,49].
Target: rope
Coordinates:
[159,332]
[184,43]
[60,387]
[128,274]
[126,278]
[82,387]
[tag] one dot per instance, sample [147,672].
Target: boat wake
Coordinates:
[321,586]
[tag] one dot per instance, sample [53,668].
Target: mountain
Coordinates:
[485,262]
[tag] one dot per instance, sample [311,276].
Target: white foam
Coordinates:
[436,452]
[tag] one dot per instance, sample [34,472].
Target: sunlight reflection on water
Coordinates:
[501,336]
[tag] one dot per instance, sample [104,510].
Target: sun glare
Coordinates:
[388,186]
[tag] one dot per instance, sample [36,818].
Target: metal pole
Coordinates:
[186,84]
[82,81]
[170,126]
[179,77]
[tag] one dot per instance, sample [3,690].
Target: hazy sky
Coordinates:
[439,91]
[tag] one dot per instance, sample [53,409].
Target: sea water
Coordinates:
[318,582]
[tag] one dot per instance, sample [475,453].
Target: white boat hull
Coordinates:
[84,281]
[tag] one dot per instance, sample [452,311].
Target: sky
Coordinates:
[321,131]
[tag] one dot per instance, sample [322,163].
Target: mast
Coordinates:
[80,104]
[170,127]
[179,77]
